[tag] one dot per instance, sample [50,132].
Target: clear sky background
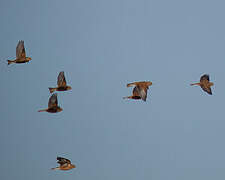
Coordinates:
[102,45]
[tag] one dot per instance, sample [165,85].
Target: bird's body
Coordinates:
[140,90]
[18,61]
[20,54]
[52,105]
[61,82]
[65,168]
[205,84]
[65,164]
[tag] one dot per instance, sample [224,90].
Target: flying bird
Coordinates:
[65,164]
[52,105]
[205,84]
[62,86]
[140,90]
[20,54]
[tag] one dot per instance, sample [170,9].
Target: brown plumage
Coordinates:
[205,84]
[140,90]
[52,105]
[61,82]
[65,164]
[20,54]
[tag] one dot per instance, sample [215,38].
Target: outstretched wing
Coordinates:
[148,83]
[62,161]
[205,77]
[131,84]
[61,80]
[20,50]
[141,83]
[53,102]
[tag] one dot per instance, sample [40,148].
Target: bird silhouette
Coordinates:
[205,84]
[20,54]
[52,105]
[140,90]
[65,164]
[61,82]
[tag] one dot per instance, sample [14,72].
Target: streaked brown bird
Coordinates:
[140,90]
[65,164]
[205,84]
[20,54]
[52,105]
[62,86]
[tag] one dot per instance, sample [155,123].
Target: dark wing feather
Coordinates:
[205,77]
[61,80]
[63,161]
[53,102]
[20,50]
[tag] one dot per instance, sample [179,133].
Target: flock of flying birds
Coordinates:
[139,92]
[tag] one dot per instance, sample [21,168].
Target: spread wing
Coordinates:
[61,80]
[205,77]
[20,50]
[131,84]
[140,88]
[207,89]
[53,102]
[148,83]
[63,161]
[141,83]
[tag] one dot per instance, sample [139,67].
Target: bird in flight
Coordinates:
[65,164]
[52,105]
[62,86]
[205,84]
[20,54]
[140,90]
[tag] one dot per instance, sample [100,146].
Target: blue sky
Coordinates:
[101,46]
